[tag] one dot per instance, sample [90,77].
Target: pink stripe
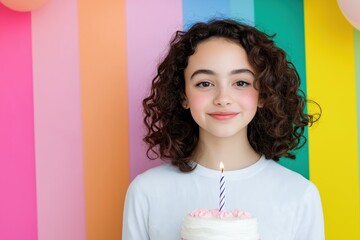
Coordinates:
[58,135]
[149,28]
[17,161]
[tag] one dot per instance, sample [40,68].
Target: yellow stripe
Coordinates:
[104,111]
[329,41]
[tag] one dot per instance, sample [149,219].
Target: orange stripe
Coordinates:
[104,112]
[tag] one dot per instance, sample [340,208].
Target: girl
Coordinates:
[224,93]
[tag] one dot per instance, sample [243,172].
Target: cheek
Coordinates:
[197,101]
[249,99]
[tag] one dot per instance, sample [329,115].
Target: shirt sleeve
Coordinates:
[311,219]
[135,217]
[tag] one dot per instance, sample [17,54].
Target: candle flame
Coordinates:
[221,166]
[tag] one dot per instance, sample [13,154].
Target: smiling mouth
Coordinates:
[223,116]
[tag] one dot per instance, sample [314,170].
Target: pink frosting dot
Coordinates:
[215,213]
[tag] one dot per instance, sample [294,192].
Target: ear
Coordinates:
[185,103]
[260,104]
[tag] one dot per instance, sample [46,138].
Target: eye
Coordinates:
[204,84]
[242,83]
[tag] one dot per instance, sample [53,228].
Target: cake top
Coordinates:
[205,224]
[215,213]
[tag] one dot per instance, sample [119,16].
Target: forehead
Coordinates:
[218,54]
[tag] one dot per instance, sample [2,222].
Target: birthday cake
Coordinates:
[205,224]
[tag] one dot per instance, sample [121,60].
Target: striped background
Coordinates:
[72,76]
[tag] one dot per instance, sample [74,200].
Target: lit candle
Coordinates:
[222,188]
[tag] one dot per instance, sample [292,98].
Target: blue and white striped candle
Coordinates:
[222,188]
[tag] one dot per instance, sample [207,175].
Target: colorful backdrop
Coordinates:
[72,77]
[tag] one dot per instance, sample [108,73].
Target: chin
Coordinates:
[225,134]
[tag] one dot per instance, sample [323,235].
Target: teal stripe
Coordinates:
[243,11]
[357,76]
[286,19]
[204,10]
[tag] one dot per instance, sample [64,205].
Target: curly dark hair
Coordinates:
[278,126]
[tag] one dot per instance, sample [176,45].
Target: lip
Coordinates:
[223,115]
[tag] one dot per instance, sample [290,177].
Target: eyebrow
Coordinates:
[210,72]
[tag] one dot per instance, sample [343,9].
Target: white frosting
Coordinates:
[229,228]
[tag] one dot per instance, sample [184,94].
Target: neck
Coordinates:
[235,152]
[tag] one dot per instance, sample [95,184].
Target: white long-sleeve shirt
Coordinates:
[286,205]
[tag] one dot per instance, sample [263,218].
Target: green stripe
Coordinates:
[286,19]
[357,76]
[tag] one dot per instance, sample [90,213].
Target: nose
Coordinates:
[222,97]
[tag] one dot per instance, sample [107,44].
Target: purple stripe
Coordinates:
[17,160]
[148,35]
[222,192]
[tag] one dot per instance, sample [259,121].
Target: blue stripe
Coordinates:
[204,10]
[243,11]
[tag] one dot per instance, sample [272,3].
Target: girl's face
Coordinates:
[219,88]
